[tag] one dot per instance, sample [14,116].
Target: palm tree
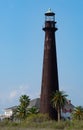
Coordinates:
[24,101]
[59,100]
[33,110]
[78,113]
[22,110]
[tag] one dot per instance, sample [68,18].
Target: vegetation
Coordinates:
[30,119]
[59,100]
[77,113]
[33,110]
[41,122]
[22,111]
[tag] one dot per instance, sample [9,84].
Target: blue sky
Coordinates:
[22,44]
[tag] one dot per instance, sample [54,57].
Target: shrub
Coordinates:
[38,118]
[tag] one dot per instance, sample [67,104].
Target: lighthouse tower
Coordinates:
[50,73]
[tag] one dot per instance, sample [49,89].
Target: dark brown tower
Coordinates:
[50,72]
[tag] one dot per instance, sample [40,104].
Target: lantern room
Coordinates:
[49,15]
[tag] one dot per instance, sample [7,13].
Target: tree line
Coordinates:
[58,101]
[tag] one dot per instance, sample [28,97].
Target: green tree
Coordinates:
[59,100]
[33,110]
[24,101]
[77,113]
[21,111]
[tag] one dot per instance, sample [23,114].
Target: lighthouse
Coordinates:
[49,83]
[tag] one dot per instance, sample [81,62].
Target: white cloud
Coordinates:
[13,94]
[16,93]
[11,97]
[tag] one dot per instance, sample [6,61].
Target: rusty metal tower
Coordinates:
[50,71]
